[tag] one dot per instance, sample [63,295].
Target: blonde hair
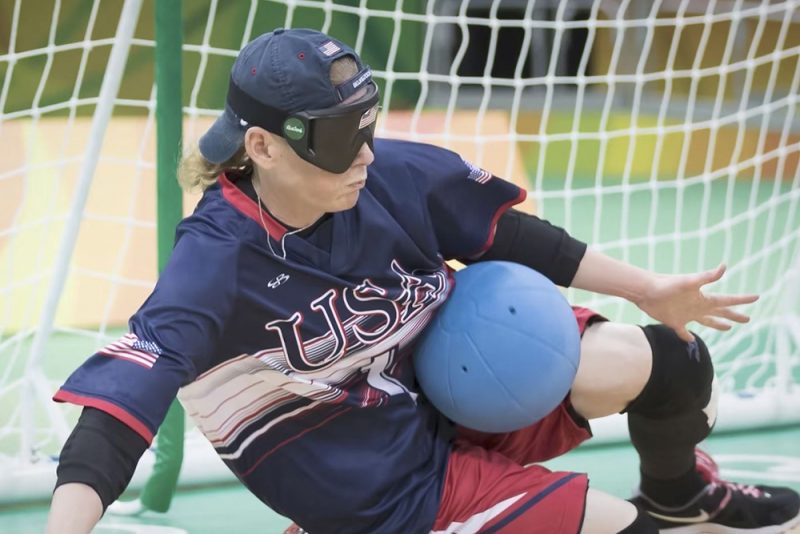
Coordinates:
[195,171]
[343,69]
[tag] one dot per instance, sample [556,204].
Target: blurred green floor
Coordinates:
[770,456]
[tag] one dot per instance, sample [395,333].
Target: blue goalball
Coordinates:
[502,352]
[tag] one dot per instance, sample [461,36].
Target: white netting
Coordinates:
[665,134]
[66,241]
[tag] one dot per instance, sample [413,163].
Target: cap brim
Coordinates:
[223,139]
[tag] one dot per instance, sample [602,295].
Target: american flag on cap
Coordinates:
[368,117]
[329,48]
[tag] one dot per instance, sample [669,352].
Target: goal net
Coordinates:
[664,133]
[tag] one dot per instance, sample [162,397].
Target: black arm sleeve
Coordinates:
[102,452]
[536,243]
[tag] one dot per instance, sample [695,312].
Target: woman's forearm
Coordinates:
[75,509]
[602,274]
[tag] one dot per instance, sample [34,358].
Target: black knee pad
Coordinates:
[677,407]
[681,378]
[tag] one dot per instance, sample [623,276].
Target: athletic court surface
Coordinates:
[769,456]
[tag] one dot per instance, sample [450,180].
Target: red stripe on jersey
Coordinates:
[493,227]
[110,408]
[284,442]
[246,205]
[240,421]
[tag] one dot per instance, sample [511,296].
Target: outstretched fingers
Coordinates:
[713,275]
[697,280]
[713,322]
[723,301]
[727,313]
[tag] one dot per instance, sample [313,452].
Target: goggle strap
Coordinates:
[349,87]
[254,112]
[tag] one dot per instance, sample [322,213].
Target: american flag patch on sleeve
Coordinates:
[129,347]
[329,48]
[477,174]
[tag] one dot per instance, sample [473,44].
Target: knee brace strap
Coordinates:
[681,378]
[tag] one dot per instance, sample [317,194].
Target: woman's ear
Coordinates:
[261,146]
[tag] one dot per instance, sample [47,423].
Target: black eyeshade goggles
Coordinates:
[328,138]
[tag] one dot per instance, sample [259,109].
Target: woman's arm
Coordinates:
[75,509]
[674,300]
[96,464]
[599,273]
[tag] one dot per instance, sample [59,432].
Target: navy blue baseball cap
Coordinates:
[280,73]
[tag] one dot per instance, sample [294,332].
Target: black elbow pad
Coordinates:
[102,452]
[531,241]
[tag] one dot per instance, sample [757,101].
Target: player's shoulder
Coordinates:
[213,223]
[390,153]
[403,164]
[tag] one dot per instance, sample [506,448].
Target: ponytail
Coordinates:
[195,171]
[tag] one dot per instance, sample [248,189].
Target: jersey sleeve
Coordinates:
[460,202]
[171,338]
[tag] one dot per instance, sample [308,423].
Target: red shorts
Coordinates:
[490,485]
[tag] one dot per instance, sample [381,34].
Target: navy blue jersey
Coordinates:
[298,370]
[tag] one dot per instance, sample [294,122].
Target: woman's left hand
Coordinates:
[676,300]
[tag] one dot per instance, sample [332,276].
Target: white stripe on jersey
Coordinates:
[225,399]
[476,522]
